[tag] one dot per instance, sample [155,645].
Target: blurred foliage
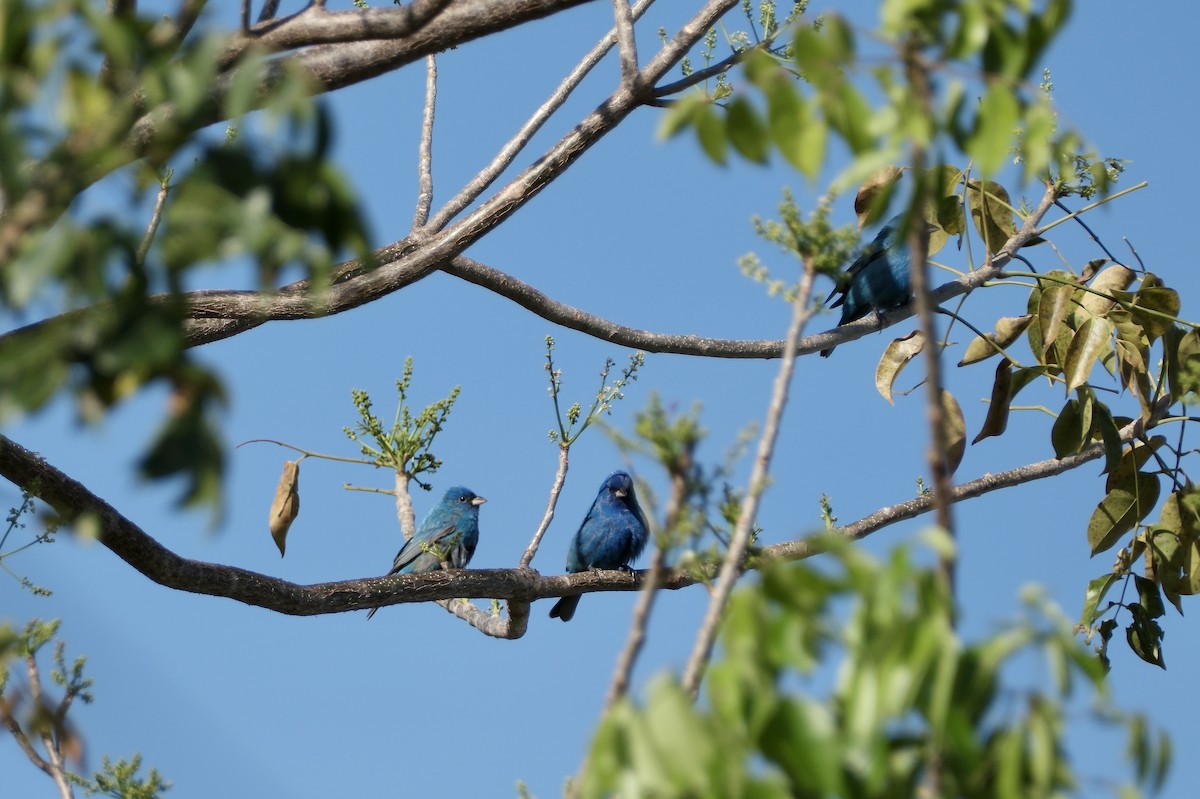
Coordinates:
[912,701]
[33,719]
[97,110]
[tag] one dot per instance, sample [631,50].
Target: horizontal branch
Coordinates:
[71,500]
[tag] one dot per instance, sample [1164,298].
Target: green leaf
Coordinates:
[1070,429]
[894,359]
[1096,591]
[991,213]
[710,129]
[1158,300]
[1123,507]
[995,126]
[1131,461]
[1149,596]
[747,131]
[1145,639]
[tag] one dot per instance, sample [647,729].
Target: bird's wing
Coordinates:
[420,544]
[870,255]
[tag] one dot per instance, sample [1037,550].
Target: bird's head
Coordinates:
[465,497]
[619,484]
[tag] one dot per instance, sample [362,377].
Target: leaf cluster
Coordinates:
[910,693]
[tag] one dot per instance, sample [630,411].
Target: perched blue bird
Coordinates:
[879,279]
[449,534]
[613,533]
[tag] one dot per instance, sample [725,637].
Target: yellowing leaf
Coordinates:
[894,358]
[954,432]
[1087,344]
[1053,307]
[872,198]
[991,213]
[1114,278]
[286,505]
[1008,330]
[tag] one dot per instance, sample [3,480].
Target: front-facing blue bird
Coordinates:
[449,534]
[879,279]
[613,534]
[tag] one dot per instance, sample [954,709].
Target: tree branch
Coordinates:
[425,150]
[733,564]
[217,315]
[508,153]
[71,500]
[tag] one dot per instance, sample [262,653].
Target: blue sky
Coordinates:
[232,700]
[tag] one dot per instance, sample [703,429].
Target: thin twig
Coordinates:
[513,147]
[637,630]
[732,566]
[160,202]
[425,152]
[645,604]
[626,42]
[510,627]
[560,477]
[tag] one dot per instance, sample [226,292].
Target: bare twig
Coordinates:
[637,630]
[626,42]
[918,245]
[510,627]
[160,202]
[512,148]
[645,604]
[425,153]
[560,477]
[731,567]
[269,9]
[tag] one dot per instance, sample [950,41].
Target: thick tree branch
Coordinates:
[71,500]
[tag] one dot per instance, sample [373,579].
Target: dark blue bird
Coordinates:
[879,279]
[449,534]
[613,533]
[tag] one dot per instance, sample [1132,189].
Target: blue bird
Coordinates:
[449,534]
[613,533]
[879,279]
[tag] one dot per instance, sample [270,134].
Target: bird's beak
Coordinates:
[622,493]
[478,501]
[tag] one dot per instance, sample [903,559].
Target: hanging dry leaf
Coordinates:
[286,505]
[894,358]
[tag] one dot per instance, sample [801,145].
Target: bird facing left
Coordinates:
[448,535]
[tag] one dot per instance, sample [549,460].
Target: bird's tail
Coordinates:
[371,613]
[565,608]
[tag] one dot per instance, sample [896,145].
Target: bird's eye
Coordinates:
[463,498]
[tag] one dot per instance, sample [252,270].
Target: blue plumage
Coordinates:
[449,534]
[879,279]
[613,534]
